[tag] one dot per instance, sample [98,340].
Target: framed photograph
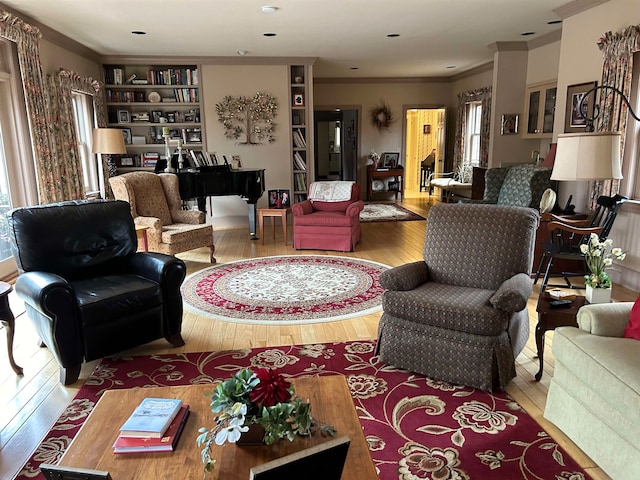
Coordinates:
[390,159]
[575,117]
[509,125]
[138,140]
[426,129]
[55,472]
[126,161]
[156,115]
[285,198]
[236,159]
[126,134]
[194,135]
[171,117]
[273,198]
[124,116]
[298,99]
[327,457]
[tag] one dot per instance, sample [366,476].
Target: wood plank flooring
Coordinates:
[29,405]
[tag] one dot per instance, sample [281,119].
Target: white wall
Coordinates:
[581,61]
[218,81]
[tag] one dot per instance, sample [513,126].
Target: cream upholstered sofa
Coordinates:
[594,396]
[155,203]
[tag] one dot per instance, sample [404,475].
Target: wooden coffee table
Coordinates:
[550,318]
[330,400]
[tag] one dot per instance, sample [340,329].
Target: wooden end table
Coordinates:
[9,322]
[550,318]
[141,233]
[330,400]
[273,213]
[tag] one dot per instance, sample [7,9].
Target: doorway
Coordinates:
[424,132]
[335,147]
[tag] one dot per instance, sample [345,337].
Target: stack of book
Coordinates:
[154,426]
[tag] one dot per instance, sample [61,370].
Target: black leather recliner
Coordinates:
[86,290]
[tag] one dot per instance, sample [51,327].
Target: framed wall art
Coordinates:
[577,111]
[298,99]
[390,159]
[509,125]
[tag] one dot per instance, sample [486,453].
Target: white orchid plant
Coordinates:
[599,256]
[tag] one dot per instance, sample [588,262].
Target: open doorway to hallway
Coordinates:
[336,144]
[424,128]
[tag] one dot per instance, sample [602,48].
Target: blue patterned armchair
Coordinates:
[518,185]
[460,314]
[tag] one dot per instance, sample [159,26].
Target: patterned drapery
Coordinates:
[27,38]
[70,185]
[480,95]
[617,51]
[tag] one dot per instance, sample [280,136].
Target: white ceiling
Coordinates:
[434,34]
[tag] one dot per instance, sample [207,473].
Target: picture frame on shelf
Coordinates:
[390,159]
[126,162]
[575,120]
[298,99]
[124,116]
[194,135]
[156,115]
[509,124]
[126,134]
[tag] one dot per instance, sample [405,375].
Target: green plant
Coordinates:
[599,256]
[264,398]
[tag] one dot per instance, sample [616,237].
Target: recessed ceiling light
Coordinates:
[392,35]
[554,22]
[242,53]
[354,68]
[526,34]
[269,9]
[451,66]
[269,34]
[139,32]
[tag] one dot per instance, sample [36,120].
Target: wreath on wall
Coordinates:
[381,116]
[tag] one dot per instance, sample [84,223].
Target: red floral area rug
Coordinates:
[416,428]
[387,212]
[286,289]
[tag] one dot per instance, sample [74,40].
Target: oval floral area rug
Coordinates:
[286,289]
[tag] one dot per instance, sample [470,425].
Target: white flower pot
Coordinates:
[598,295]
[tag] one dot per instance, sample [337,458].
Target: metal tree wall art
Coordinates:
[250,116]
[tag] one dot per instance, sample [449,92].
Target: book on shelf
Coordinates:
[299,162]
[166,443]
[298,139]
[151,418]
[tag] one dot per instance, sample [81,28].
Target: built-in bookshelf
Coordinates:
[301,135]
[149,102]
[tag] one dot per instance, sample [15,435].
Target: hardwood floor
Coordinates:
[29,405]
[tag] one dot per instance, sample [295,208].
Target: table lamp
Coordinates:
[108,141]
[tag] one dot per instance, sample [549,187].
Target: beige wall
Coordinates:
[54,57]
[397,95]
[581,61]
[543,63]
[217,81]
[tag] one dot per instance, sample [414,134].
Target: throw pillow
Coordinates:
[633,327]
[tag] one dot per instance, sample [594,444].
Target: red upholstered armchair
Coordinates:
[328,225]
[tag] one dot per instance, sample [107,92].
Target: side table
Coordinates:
[550,318]
[9,321]
[273,213]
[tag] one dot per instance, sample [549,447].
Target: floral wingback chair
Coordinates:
[155,203]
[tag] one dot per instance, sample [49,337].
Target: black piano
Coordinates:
[221,180]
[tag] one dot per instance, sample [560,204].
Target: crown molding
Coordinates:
[576,6]
[473,71]
[546,39]
[205,60]
[508,46]
[329,80]
[56,37]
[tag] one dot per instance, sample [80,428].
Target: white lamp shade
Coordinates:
[587,156]
[108,140]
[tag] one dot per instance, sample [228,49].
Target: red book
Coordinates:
[165,444]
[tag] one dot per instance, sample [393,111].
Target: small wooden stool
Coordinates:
[273,212]
[9,321]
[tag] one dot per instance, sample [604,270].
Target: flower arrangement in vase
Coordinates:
[264,398]
[599,256]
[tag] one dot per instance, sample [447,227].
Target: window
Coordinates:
[472,134]
[84,121]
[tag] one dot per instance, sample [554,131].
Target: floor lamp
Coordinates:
[107,141]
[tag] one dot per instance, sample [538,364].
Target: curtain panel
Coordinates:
[67,167]
[27,40]
[480,95]
[617,71]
